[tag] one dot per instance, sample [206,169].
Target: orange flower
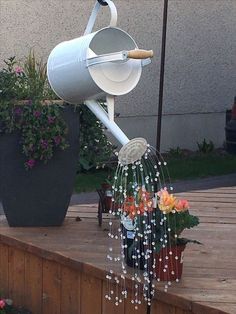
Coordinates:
[129,206]
[166,201]
[181,205]
[144,203]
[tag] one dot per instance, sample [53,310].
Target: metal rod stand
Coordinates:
[149,309]
[162,75]
[102,2]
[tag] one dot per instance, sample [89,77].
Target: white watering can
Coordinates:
[99,66]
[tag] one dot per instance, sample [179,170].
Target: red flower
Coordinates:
[2,304]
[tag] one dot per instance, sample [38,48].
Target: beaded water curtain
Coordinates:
[143,230]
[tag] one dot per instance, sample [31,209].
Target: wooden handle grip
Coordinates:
[140,54]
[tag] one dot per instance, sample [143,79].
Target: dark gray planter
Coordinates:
[41,196]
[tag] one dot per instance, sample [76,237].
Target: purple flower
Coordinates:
[37,114]
[18,111]
[57,140]
[44,144]
[51,120]
[30,163]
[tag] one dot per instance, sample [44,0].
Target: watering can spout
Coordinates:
[132,150]
[107,118]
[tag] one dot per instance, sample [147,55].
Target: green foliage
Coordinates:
[95,149]
[175,152]
[176,222]
[201,165]
[90,181]
[41,126]
[181,221]
[36,73]
[205,147]
[43,130]
[13,81]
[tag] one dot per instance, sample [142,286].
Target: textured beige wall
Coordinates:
[200,61]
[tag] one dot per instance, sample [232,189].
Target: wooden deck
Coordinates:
[62,270]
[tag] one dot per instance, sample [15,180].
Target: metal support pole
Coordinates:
[102,2]
[162,74]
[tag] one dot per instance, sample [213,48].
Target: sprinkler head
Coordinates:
[132,151]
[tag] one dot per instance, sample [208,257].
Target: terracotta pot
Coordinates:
[106,186]
[170,269]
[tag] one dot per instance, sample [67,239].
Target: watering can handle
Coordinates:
[140,54]
[92,19]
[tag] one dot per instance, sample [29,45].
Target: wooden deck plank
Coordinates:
[180,311]
[209,276]
[4,266]
[162,308]
[209,194]
[197,203]
[91,295]
[51,287]
[70,291]
[229,308]
[33,283]
[16,276]
[109,307]
[129,307]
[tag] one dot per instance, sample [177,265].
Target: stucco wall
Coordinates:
[200,62]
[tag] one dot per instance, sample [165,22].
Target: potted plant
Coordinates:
[170,217]
[39,142]
[170,245]
[6,307]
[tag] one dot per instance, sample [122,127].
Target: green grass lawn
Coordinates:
[90,181]
[201,166]
[180,168]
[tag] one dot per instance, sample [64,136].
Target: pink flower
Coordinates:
[181,205]
[37,114]
[57,140]
[44,144]
[18,111]
[30,163]
[2,304]
[18,70]
[51,120]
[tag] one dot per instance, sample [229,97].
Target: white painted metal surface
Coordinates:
[99,66]
[94,65]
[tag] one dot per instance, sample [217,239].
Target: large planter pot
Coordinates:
[174,263]
[41,196]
